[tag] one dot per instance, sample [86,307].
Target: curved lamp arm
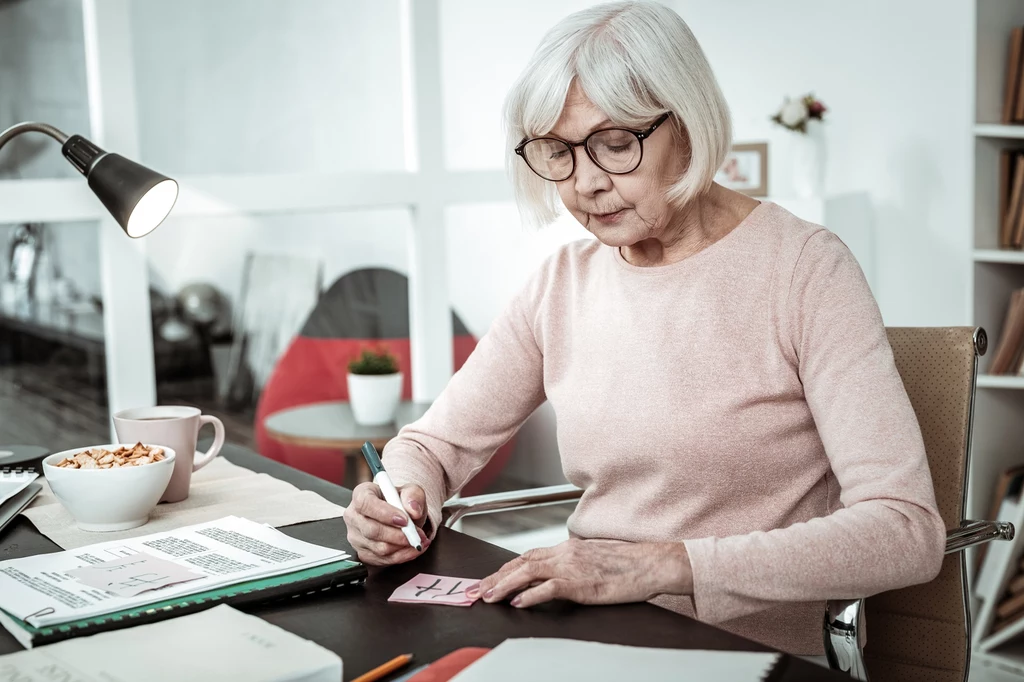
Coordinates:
[137,197]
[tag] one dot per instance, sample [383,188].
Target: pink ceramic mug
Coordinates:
[176,428]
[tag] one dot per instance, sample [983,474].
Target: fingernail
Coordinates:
[416,506]
[489,594]
[518,600]
[473,592]
[398,520]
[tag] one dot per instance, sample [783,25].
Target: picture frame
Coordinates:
[745,169]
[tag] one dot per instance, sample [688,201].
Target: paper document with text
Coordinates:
[40,590]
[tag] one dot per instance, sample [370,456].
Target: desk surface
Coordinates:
[332,425]
[360,626]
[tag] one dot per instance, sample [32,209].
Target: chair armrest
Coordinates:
[516,499]
[973,533]
[844,617]
[844,620]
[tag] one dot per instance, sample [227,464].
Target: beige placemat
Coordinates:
[219,489]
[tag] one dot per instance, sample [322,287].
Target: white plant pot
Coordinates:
[374,397]
[809,160]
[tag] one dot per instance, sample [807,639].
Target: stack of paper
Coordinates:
[51,589]
[13,483]
[17,490]
[218,644]
[551,660]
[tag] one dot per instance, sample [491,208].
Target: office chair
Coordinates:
[921,632]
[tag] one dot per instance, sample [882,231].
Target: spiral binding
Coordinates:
[7,473]
[96,624]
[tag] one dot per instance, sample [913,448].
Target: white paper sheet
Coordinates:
[38,589]
[13,483]
[555,660]
[128,576]
[219,489]
[218,644]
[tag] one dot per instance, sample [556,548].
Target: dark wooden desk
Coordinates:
[360,626]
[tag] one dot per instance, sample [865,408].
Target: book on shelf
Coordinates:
[1007,173]
[1013,221]
[1008,489]
[1012,101]
[1008,353]
[999,582]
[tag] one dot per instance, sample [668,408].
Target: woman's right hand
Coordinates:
[375,527]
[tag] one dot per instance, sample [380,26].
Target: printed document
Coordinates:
[40,590]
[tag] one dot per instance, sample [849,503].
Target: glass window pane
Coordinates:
[479,65]
[263,86]
[238,290]
[42,78]
[488,265]
[52,363]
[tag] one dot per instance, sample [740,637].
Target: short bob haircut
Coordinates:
[634,61]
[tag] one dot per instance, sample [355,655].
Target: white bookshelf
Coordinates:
[998,256]
[998,437]
[990,381]
[999,131]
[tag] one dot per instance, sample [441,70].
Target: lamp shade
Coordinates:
[137,197]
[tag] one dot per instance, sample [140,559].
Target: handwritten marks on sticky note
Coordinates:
[130,575]
[435,589]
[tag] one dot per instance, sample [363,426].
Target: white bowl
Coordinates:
[109,499]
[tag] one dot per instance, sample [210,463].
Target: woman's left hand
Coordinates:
[591,572]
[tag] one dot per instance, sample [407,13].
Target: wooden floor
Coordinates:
[56,407]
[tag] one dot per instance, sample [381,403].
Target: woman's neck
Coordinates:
[695,227]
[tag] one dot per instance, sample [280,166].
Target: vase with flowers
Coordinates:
[804,117]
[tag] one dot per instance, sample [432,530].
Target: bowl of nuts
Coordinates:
[110,487]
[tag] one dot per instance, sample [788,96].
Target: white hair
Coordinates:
[634,61]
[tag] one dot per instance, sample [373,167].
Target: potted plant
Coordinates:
[374,387]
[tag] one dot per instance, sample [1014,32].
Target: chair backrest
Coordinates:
[922,632]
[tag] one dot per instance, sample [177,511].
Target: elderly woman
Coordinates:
[725,393]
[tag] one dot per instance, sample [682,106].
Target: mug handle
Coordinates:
[204,458]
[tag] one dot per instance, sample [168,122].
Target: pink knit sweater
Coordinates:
[743,401]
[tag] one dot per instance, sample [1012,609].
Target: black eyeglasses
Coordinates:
[613,150]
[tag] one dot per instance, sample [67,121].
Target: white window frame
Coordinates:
[425,187]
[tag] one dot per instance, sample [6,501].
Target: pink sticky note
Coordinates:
[435,589]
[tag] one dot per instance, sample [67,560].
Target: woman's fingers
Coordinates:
[544,592]
[415,502]
[532,556]
[369,501]
[484,587]
[519,579]
[374,529]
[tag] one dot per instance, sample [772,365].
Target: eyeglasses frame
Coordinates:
[640,135]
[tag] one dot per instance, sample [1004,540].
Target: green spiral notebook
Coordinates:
[334,575]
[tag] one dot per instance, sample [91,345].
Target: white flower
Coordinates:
[793,112]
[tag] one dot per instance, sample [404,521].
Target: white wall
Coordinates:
[897,77]
[255,86]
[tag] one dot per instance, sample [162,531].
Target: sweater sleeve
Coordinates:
[483,405]
[888,533]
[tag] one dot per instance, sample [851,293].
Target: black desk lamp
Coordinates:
[138,198]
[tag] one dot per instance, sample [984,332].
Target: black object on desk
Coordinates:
[365,630]
[22,458]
